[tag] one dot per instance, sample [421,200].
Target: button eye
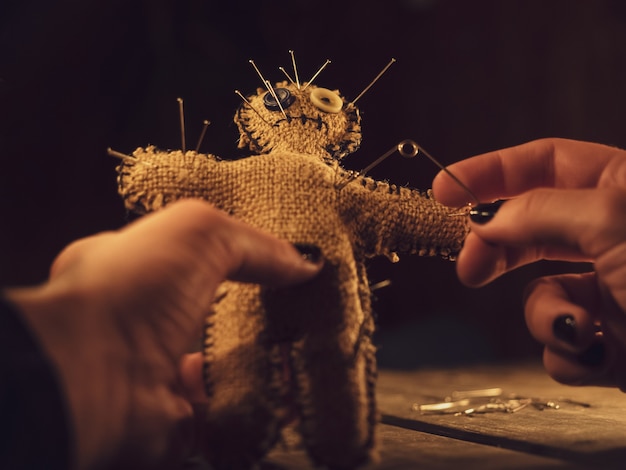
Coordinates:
[326,100]
[285,98]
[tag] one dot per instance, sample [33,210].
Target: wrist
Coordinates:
[35,419]
[75,338]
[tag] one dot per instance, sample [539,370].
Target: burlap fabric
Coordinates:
[306,351]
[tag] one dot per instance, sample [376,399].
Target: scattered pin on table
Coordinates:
[482,393]
[490,400]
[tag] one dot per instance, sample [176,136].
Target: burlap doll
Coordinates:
[302,354]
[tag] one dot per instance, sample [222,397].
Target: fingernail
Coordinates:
[564,328]
[310,253]
[594,356]
[483,213]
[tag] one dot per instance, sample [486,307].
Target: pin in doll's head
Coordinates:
[300,117]
[305,119]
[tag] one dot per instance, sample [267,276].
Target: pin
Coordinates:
[408,148]
[282,69]
[205,125]
[123,156]
[295,69]
[380,285]
[273,93]
[316,74]
[238,93]
[269,87]
[489,400]
[441,406]
[258,71]
[380,74]
[354,175]
[485,392]
[182,124]
[120,155]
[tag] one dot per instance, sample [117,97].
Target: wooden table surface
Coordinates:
[572,436]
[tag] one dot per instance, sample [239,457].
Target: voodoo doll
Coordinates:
[301,354]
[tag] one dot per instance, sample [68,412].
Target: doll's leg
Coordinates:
[243,376]
[334,369]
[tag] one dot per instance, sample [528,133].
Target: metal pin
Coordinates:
[378,160]
[473,402]
[295,69]
[237,92]
[380,285]
[123,156]
[116,154]
[522,404]
[258,72]
[408,149]
[481,393]
[380,74]
[206,124]
[355,174]
[414,149]
[282,69]
[444,405]
[273,93]
[269,87]
[316,74]
[181,113]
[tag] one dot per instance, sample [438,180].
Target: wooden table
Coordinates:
[572,436]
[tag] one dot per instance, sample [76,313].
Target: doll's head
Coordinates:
[305,119]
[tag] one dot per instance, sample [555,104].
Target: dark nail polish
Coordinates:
[483,213]
[594,356]
[309,252]
[564,328]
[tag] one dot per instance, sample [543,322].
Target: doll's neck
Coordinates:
[303,147]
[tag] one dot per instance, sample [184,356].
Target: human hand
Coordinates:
[121,309]
[566,200]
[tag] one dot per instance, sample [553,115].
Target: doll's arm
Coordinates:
[389,219]
[150,178]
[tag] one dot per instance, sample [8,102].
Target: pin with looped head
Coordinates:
[409,149]
[356,174]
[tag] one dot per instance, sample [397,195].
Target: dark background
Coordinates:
[79,76]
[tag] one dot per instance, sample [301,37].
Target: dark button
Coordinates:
[285,99]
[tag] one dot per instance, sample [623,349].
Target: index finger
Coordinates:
[212,239]
[554,163]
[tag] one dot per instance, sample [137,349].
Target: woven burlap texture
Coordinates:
[307,348]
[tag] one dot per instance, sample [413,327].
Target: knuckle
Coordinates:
[609,228]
